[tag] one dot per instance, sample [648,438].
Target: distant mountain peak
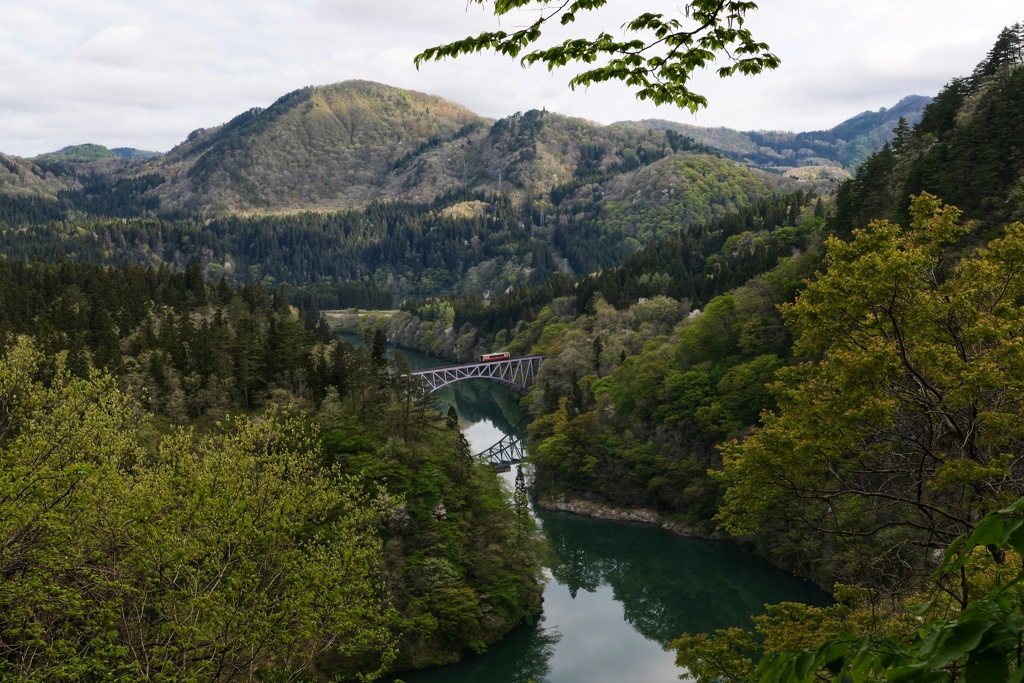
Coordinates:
[835,151]
[342,145]
[86,152]
[327,146]
[93,152]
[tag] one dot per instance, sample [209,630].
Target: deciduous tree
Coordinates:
[656,57]
[903,425]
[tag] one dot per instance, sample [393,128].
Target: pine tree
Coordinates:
[521,505]
[574,403]
[379,358]
[900,136]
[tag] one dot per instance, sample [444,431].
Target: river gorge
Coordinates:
[618,592]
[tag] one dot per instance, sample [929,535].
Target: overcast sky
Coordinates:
[145,73]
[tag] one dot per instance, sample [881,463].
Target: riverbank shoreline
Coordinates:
[648,517]
[590,508]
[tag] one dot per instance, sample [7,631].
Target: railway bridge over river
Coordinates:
[517,373]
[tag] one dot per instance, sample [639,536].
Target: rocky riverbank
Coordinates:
[590,508]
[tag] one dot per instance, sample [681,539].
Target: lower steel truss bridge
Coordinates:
[507,452]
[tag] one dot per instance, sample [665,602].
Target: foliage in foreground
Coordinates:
[447,565]
[196,558]
[656,59]
[899,428]
[930,638]
[902,424]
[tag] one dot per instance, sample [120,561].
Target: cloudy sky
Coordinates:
[144,73]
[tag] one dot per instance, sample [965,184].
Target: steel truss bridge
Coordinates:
[514,372]
[517,373]
[507,452]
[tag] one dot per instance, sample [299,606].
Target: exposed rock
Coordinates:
[590,508]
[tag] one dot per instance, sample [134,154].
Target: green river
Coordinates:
[619,594]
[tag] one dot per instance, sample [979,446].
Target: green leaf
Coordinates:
[861,667]
[988,670]
[803,665]
[710,31]
[833,657]
[963,637]
[910,672]
[919,609]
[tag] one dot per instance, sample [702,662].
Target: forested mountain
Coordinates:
[86,152]
[826,153]
[319,147]
[247,491]
[342,145]
[966,149]
[556,195]
[853,409]
[476,206]
[92,152]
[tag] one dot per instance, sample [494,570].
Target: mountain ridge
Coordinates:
[342,145]
[837,151]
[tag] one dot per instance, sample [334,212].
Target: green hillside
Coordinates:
[405,192]
[324,147]
[87,152]
[362,182]
[835,152]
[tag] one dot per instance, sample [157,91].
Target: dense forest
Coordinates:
[387,248]
[189,468]
[462,242]
[692,266]
[190,457]
[836,382]
[429,200]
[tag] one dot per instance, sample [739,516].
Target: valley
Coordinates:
[215,463]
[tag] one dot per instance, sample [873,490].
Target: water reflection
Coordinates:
[480,400]
[667,584]
[619,593]
[524,656]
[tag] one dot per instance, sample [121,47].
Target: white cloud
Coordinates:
[115,46]
[146,72]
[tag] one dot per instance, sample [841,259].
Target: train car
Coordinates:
[497,355]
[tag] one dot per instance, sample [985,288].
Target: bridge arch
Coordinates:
[517,373]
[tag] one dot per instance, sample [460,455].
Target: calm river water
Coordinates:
[620,592]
